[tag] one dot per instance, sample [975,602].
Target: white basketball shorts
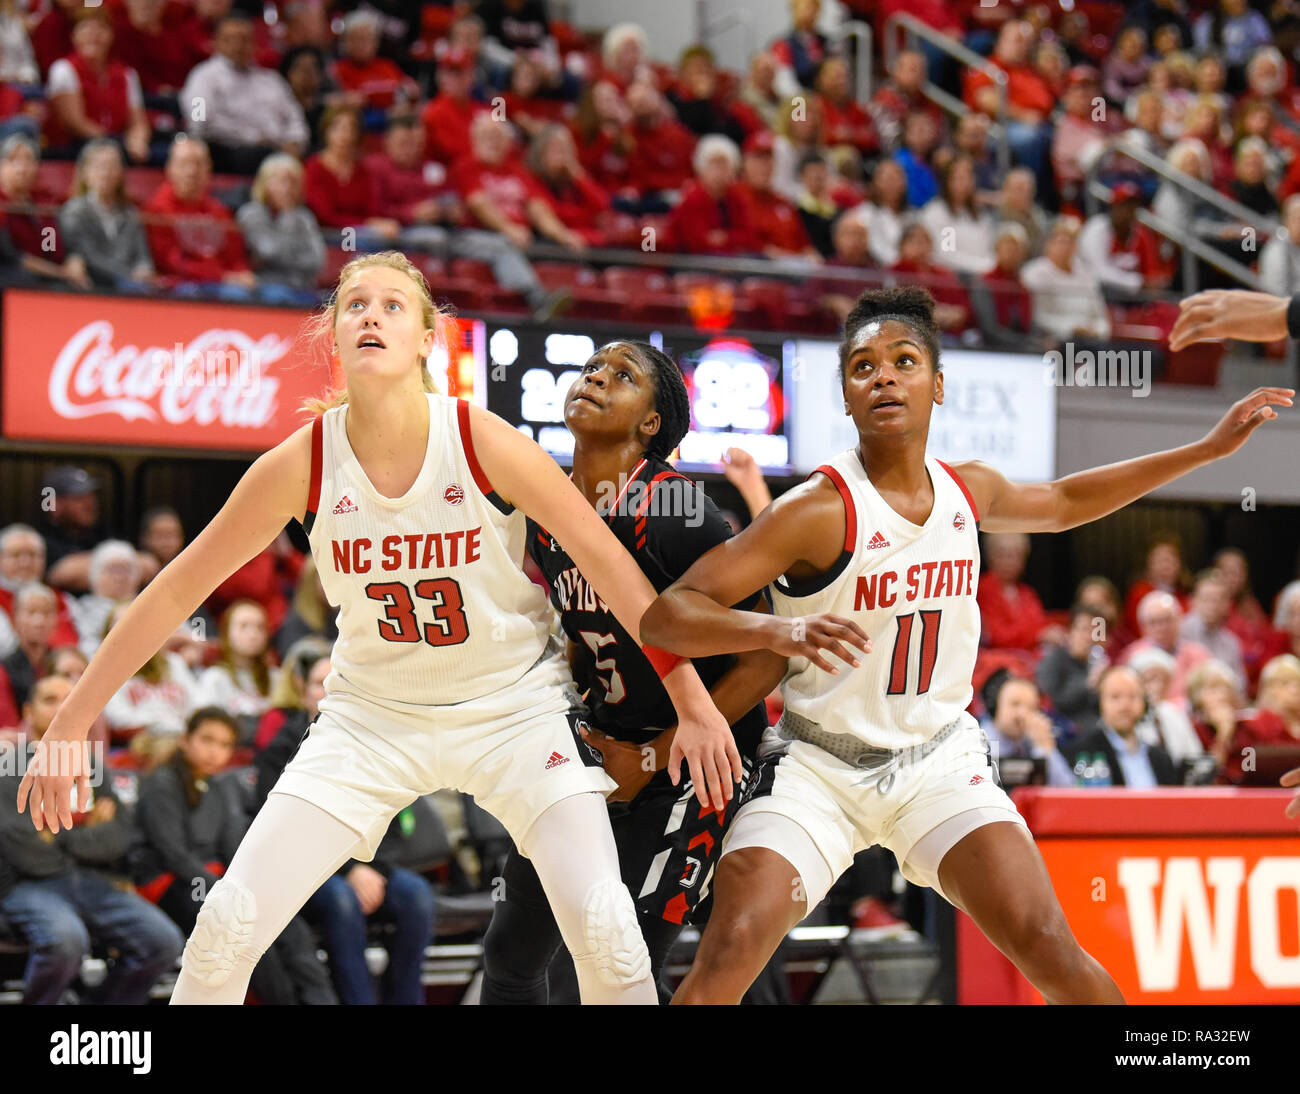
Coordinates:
[840,810]
[517,751]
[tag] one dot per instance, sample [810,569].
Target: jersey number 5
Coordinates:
[449,626]
[902,649]
[615,691]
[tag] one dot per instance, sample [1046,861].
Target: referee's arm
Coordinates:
[1235,313]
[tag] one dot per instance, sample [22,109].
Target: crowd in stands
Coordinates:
[219,153]
[1182,681]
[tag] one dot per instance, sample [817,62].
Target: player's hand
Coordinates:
[629,765]
[1229,313]
[1244,417]
[58,764]
[369,885]
[704,741]
[811,636]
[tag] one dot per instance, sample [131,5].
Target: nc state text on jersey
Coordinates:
[416,551]
[925,580]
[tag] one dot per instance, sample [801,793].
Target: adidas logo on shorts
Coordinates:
[555,760]
[877,541]
[345,505]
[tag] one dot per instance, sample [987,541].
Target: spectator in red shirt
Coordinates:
[577,200]
[1163,571]
[359,68]
[36,613]
[22,561]
[775,220]
[52,35]
[900,96]
[91,95]
[1246,617]
[623,57]
[418,193]
[528,110]
[696,97]
[952,307]
[1226,726]
[340,188]
[660,161]
[1002,304]
[447,116]
[713,216]
[1029,103]
[1124,253]
[193,237]
[1011,614]
[26,226]
[160,39]
[1279,692]
[845,121]
[603,130]
[501,195]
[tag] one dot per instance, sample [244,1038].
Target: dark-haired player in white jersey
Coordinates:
[884,752]
[628,410]
[444,671]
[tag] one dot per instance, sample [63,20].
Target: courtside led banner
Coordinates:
[1184,895]
[173,374]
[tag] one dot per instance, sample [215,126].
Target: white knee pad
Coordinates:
[222,934]
[612,935]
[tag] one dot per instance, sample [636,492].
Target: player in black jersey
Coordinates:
[627,411]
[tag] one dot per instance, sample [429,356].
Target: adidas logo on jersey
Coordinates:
[876,542]
[555,760]
[345,505]
[975,780]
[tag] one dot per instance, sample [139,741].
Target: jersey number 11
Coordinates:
[901,656]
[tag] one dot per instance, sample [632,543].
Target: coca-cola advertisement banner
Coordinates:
[174,374]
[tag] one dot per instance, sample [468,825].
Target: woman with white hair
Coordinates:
[623,56]
[1179,209]
[281,233]
[1286,619]
[713,216]
[114,579]
[1166,723]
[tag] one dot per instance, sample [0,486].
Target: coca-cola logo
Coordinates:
[219,376]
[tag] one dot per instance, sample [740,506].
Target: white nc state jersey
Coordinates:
[433,605]
[912,589]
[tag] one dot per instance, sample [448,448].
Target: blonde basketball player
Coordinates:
[444,672]
[885,753]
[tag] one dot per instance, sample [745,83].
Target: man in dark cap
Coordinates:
[70,525]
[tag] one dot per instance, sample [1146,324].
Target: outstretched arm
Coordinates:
[272,492]
[1230,313]
[523,474]
[1005,506]
[802,533]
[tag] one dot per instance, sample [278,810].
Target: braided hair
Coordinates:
[671,400]
[909,304]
